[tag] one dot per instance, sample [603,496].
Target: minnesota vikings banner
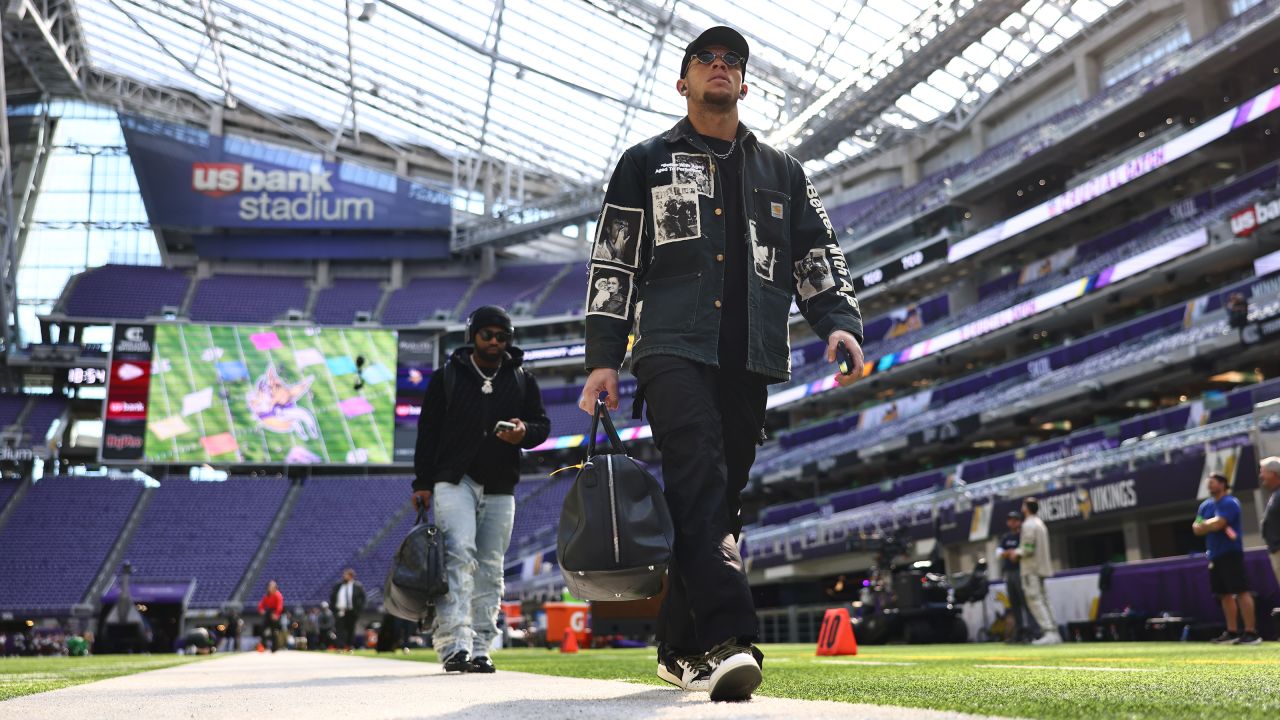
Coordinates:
[193,179]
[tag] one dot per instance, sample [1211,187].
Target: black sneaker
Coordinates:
[1226,638]
[1248,638]
[481,664]
[458,661]
[735,670]
[687,671]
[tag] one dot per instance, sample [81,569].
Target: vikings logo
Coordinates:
[1084,502]
[275,404]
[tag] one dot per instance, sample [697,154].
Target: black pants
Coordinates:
[706,423]
[1026,625]
[346,625]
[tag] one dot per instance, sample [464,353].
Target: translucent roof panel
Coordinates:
[560,86]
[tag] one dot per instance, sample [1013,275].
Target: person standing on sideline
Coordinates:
[1269,478]
[1035,566]
[272,608]
[1218,521]
[1023,627]
[326,624]
[729,232]
[347,600]
[234,625]
[470,464]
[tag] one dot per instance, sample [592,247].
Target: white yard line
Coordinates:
[865,662]
[1068,667]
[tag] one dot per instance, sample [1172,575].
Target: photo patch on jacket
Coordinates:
[693,169]
[765,256]
[676,215]
[618,235]
[814,274]
[609,292]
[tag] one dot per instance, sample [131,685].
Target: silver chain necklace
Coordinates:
[727,153]
[487,387]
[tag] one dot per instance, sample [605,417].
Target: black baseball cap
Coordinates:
[719,35]
[1013,515]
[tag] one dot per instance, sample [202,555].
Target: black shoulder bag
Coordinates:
[615,534]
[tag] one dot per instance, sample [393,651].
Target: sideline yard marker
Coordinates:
[836,636]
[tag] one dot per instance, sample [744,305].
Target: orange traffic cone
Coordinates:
[570,644]
[836,636]
[260,648]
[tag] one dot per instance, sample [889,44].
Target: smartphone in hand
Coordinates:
[504,426]
[844,359]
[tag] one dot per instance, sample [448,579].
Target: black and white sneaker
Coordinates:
[457,661]
[735,670]
[687,671]
[1248,638]
[481,664]
[1226,638]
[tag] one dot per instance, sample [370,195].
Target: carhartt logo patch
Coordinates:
[775,209]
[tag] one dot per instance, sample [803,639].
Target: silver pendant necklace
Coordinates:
[487,387]
[727,153]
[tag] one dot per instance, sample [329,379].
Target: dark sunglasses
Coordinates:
[706,57]
[488,335]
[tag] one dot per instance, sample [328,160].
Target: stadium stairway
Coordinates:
[184,310]
[550,288]
[388,289]
[111,565]
[264,550]
[8,507]
[460,310]
[314,288]
[366,556]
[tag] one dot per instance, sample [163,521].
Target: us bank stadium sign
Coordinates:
[192,179]
[285,196]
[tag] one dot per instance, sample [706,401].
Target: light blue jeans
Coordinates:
[477,531]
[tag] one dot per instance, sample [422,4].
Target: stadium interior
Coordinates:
[1062,218]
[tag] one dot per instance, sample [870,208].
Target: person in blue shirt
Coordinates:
[1218,522]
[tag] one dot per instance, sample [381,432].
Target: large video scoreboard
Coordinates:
[264,395]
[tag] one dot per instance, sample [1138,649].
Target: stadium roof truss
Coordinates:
[557,88]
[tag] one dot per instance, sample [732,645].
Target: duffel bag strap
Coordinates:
[615,442]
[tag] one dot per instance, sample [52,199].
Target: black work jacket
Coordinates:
[657,262]
[455,434]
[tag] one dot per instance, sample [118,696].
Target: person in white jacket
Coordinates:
[1033,557]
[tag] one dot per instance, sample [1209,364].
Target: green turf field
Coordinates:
[206,380]
[1112,680]
[28,675]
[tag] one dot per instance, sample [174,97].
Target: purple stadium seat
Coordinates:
[10,407]
[339,303]
[44,411]
[248,298]
[514,283]
[58,538]
[126,291]
[422,298]
[209,531]
[568,296]
[332,521]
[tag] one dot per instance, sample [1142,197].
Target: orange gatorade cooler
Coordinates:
[511,610]
[563,616]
